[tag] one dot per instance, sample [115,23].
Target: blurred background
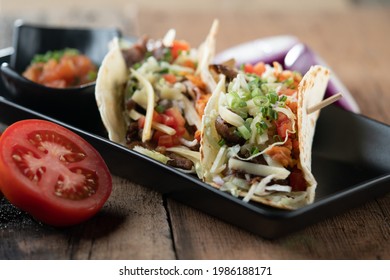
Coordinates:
[190,18]
[340,31]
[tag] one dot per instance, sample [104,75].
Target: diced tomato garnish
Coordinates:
[179,46]
[170,78]
[168,141]
[189,63]
[169,121]
[69,70]
[172,118]
[295,147]
[156,135]
[283,123]
[198,135]
[293,106]
[165,140]
[297,181]
[180,131]
[259,68]
[175,113]
[248,68]
[197,81]
[280,154]
[201,103]
[141,122]
[157,117]
[287,91]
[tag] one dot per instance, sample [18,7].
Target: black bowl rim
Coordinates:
[19,23]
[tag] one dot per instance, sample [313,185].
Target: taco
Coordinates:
[257,135]
[151,96]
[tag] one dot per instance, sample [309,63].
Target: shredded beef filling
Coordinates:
[228,132]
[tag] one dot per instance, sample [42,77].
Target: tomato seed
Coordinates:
[16,157]
[35,178]
[41,170]
[42,149]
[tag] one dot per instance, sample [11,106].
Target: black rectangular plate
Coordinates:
[350,163]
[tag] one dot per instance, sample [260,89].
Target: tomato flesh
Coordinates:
[174,119]
[52,173]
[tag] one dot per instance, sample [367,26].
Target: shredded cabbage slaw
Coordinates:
[252,104]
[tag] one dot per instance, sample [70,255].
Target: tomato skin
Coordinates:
[39,199]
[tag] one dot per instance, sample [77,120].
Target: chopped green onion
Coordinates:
[254,150]
[244,132]
[56,55]
[289,82]
[255,82]
[136,65]
[248,122]
[148,54]
[277,138]
[163,71]
[221,142]
[261,101]
[261,127]
[92,75]
[273,97]
[256,92]
[274,114]
[234,101]
[246,95]
[131,87]
[283,98]
[167,55]
[160,109]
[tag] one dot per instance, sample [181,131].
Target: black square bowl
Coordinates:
[75,105]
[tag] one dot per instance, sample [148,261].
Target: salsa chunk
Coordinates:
[61,69]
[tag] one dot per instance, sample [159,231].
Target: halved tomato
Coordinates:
[52,173]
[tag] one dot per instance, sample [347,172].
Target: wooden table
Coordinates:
[138,223]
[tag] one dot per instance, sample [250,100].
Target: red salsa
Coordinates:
[61,69]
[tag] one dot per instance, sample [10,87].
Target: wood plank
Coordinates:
[132,225]
[360,233]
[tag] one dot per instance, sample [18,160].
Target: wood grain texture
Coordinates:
[138,223]
[132,225]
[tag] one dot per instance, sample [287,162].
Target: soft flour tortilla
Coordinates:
[310,92]
[112,77]
[109,92]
